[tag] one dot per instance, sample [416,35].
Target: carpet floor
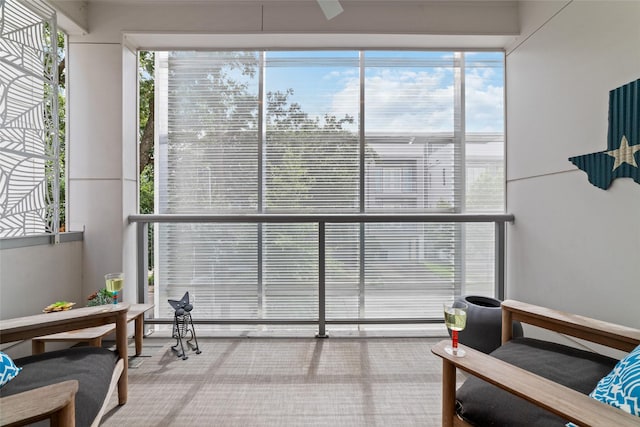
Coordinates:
[283,382]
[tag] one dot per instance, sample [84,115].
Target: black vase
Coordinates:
[484,324]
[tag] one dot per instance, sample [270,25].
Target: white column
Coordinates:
[95,157]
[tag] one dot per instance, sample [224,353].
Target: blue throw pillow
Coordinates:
[8,369]
[621,387]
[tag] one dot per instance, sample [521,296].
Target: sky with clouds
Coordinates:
[415,94]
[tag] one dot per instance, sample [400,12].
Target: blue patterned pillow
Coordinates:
[621,387]
[8,370]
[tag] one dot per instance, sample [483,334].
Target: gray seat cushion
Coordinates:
[92,367]
[483,404]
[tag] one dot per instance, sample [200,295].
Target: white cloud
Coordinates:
[401,100]
[484,102]
[421,101]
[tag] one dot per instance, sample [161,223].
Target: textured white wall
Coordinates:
[33,277]
[573,246]
[107,20]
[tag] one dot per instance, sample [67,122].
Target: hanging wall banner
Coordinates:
[622,157]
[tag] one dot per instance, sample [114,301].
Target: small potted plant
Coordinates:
[101,297]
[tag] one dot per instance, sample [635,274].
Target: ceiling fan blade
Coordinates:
[330,8]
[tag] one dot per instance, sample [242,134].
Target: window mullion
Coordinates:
[261,184]
[459,170]
[362,253]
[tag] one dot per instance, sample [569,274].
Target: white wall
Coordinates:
[33,277]
[573,246]
[95,157]
[108,20]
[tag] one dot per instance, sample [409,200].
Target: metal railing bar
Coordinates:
[321,281]
[40,239]
[331,218]
[142,249]
[498,219]
[499,259]
[169,321]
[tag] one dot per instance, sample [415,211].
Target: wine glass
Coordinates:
[114,282]
[455,317]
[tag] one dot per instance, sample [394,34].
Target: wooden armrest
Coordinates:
[563,401]
[22,328]
[605,333]
[55,401]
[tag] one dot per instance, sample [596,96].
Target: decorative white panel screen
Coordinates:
[29,167]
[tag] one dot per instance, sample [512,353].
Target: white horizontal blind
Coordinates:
[283,132]
[413,139]
[409,269]
[312,138]
[484,164]
[413,164]
[216,263]
[312,165]
[290,266]
[207,162]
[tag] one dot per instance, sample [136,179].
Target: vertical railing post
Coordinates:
[260,253]
[142,254]
[322,333]
[499,259]
[361,274]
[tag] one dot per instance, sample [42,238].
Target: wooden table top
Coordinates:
[21,328]
[97,331]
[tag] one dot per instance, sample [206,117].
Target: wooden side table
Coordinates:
[94,335]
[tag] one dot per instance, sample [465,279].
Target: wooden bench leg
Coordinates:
[65,417]
[448,393]
[37,346]
[139,332]
[121,345]
[96,342]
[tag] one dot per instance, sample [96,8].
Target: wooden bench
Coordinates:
[94,335]
[539,394]
[41,393]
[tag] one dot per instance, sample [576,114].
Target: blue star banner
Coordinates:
[622,158]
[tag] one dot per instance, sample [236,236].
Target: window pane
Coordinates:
[412,153]
[484,106]
[484,163]
[216,263]
[209,144]
[290,267]
[312,142]
[409,269]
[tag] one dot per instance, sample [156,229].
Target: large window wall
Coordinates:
[327,132]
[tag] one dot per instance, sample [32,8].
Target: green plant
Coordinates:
[101,297]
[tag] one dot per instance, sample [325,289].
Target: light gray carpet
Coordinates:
[284,382]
